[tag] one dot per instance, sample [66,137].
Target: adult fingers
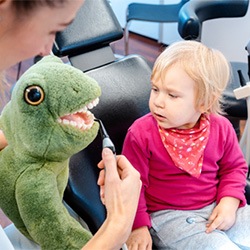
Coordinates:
[101,178]
[110,164]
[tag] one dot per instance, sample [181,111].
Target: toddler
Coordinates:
[192,168]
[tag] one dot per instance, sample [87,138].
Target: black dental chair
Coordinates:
[191,17]
[125,85]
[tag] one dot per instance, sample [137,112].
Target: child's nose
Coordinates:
[159,101]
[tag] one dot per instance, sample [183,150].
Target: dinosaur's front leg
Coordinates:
[44,215]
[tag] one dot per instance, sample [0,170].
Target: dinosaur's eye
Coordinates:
[34,95]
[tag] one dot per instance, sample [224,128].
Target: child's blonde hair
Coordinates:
[207,67]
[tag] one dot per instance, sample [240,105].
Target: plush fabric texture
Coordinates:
[43,130]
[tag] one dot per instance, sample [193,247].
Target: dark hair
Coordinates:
[26,6]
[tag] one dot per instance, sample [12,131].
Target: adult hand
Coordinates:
[223,215]
[140,239]
[119,184]
[120,189]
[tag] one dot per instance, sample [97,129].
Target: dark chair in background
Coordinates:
[194,13]
[125,85]
[191,17]
[159,13]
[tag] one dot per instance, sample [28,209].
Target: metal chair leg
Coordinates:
[126,37]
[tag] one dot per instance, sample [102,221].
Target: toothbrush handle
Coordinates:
[107,143]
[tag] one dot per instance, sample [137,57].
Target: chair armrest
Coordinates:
[195,12]
[248,191]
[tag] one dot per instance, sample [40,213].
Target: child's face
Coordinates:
[172,100]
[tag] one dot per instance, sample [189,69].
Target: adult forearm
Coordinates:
[111,236]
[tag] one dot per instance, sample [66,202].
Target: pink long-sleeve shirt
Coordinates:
[165,186]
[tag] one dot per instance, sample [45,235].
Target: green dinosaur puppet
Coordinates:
[46,121]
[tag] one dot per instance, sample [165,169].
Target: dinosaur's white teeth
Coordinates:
[80,125]
[66,122]
[93,103]
[89,106]
[89,113]
[85,109]
[82,119]
[83,126]
[72,123]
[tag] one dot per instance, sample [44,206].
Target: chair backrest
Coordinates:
[125,85]
[195,12]
[125,91]
[86,41]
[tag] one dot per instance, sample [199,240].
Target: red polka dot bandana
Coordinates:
[186,146]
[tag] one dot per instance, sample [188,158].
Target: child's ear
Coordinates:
[202,109]
[205,108]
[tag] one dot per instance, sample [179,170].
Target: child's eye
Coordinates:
[172,95]
[154,89]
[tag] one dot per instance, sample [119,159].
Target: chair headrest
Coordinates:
[95,26]
[195,12]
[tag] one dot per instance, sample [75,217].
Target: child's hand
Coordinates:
[223,215]
[140,239]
